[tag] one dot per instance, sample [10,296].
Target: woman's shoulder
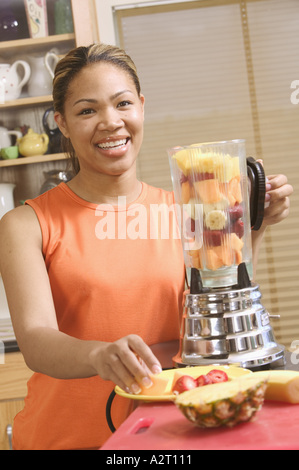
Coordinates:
[18,215]
[19,223]
[20,237]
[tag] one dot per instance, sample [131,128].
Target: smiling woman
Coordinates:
[78,336]
[100,113]
[87,309]
[103,118]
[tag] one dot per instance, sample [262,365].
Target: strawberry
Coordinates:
[213,237]
[217,376]
[238,228]
[203,380]
[203,176]
[236,212]
[184,383]
[190,227]
[183,178]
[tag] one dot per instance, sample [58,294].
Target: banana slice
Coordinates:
[220,205]
[216,220]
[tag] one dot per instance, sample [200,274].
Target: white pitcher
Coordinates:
[11,79]
[6,198]
[5,139]
[51,60]
[40,83]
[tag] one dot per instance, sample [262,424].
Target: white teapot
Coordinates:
[5,139]
[11,79]
[42,74]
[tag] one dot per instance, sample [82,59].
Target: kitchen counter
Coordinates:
[7,336]
[160,425]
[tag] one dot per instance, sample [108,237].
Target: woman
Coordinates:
[86,299]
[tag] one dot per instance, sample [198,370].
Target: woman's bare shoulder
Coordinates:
[21,214]
[20,224]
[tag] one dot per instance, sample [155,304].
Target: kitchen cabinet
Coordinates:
[14,375]
[28,173]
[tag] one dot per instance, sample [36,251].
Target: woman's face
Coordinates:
[103,118]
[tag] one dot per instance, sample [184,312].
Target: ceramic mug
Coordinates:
[10,153]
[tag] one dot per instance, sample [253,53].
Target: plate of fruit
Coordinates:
[169,384]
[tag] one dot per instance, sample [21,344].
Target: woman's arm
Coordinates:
[45,348]
[278,196]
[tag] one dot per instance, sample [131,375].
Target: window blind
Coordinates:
[220,70]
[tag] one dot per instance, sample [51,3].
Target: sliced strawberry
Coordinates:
[202,176]
[217,376]
[203,380]
[213,237]
[190,227]
[183,178]
[236,212]
[238,228]
[184,383]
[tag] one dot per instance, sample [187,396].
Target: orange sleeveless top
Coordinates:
[113,272]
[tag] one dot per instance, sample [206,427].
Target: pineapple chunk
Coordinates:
[183,161]
[283,385]
[224,167]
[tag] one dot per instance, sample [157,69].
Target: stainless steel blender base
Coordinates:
[273,358]
[226,327]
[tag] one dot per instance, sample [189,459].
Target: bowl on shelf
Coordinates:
[9,153]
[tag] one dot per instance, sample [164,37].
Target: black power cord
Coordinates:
[108,411]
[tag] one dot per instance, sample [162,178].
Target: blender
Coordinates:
[220,197]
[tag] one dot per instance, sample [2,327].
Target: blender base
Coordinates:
[260,360]
[228,326]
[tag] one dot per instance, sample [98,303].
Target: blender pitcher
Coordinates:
[214,197]
[220,198]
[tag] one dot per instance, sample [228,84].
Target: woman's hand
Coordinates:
[278,193]
[128,362]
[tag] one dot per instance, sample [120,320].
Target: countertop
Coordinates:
[7,336]
[160,426]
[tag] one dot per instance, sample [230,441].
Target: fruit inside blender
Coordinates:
[211,189]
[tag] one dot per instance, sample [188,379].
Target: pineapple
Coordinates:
[193,160]
[223,404]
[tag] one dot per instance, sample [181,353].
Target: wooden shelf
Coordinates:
[29,160]
[36,43]
[29,101]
